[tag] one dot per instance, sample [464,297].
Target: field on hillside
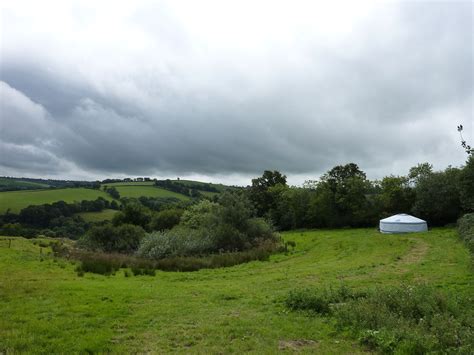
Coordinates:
[136,191]
[12,183]
[132,183]
[47,308]
[17,200]
[219,187]
[104,215]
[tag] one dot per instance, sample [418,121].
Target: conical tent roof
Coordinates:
[402,218]
[402,223]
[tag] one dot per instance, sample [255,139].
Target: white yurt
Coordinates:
[402,223]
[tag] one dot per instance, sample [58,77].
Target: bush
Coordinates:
[176,242]
[466,230]
[133,213]
[122,239]
[109,263]
[143,271]
[165,219]
[16,229]
[212,261]
[407,319]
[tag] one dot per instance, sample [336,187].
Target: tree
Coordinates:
[259,194]
[342,200]
[420,171]
[466,147]
[466,185]
[396,195]
[166,219]
[341,173]
[113,192]
[122,239]
[437,197]
[133,213]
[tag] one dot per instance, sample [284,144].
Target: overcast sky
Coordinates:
[221,90]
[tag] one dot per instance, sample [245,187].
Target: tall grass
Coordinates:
[407,319]
[107,263]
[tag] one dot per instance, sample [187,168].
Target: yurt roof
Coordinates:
[402,218]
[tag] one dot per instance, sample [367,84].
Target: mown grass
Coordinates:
[17,200]
[47,307]
[104,215]
[148,191]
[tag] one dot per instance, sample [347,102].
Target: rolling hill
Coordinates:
[17,200]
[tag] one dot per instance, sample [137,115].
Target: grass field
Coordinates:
[136,189]
[105,215]
[47,308]
[21,184]
[149,191]
[219,187]
[133,183]
[17,200]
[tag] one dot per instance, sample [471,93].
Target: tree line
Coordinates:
[344,197]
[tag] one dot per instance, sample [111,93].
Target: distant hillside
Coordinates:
[182,189]
[17,200]
[193,188]
[15,183]
[18,193]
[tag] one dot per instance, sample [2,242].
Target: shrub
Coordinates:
[212,261]
[100,263]
[166,219]
[177,242]
[318,301]
[407,319]
[466,230]
[201,215]
[133,213]
[123,239]
[143,271]
[16,229]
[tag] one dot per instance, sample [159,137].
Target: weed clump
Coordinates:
[406,319]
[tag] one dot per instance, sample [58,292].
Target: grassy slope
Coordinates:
[129,190]
[138,183]
[219,187]
[149,191]
[105,215]
[47,308]
[21,184]
[16,200]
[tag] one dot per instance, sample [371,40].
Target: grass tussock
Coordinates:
[406,319]
[109,263]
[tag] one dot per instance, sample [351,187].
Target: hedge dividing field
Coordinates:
[47,307]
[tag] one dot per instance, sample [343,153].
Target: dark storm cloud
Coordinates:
[387,95]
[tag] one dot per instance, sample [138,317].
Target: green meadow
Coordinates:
[48,308]
[136,191]
[17,200]
[132,183]
[4,182]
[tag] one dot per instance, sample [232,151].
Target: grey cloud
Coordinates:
[388,96]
